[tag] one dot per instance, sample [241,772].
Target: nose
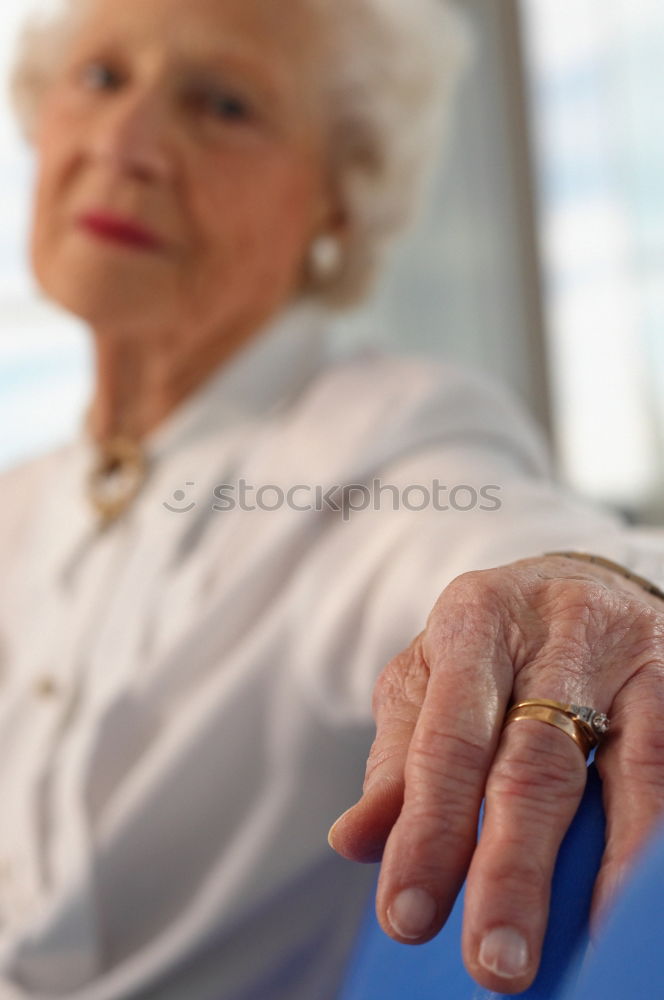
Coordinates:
[131,137]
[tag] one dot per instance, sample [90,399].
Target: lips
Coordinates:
[115,229]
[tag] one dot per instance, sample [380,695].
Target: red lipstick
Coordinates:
[118,230]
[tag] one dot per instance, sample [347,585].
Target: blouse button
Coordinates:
[46,686]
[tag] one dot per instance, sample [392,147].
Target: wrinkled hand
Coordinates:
[549,627]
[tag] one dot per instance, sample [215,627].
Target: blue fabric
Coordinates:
[383,969]
[628,963]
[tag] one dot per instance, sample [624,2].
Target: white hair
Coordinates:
[388,76]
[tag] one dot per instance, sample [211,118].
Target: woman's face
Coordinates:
[199,123]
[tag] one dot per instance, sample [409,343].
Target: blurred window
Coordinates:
[596,72]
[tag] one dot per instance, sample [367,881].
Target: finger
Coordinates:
[361,832]
[532,793]
[631,765]
[452,746]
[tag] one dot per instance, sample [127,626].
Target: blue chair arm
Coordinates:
[383,969]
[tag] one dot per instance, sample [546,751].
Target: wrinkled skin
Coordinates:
[548,627]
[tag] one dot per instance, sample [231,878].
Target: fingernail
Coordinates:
[334,826]
[412,913]
[504,951]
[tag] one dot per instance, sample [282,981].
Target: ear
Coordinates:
[332,218]
[327,246]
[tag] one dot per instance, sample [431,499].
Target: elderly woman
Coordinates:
[197,605]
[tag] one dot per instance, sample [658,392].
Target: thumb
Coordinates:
[360,834]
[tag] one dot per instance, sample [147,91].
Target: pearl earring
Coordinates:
[325,256]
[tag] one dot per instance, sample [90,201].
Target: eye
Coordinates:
[224,106]
[229,107]
[99,76]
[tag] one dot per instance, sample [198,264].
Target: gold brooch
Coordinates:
[117,477]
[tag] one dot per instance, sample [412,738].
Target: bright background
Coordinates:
[540,260]
[597,94]
[44,363]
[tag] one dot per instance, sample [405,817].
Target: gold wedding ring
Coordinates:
[586,726]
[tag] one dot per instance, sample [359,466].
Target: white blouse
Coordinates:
[186,696]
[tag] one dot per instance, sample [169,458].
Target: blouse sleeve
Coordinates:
[479,493]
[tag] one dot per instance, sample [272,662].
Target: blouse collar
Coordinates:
[273,367]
